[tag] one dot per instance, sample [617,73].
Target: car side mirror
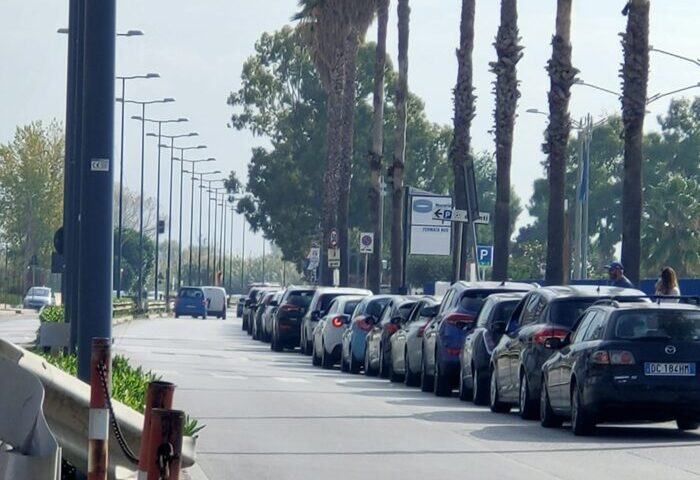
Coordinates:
[315,315]
[396,320]
[274,303]
[553,343]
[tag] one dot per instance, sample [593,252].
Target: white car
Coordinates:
[327,341]
[38,297]
[216,301]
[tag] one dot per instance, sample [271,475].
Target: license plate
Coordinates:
[669,369]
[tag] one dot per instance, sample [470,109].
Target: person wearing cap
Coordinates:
[617,275]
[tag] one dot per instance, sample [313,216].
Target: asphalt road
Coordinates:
[19,329]
[274,416]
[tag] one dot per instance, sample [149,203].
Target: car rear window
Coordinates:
[405,309]
[325,301]
[375,307]
[300,298]
[504,310]
[473,301]
[662,325]
[566,312]
[190,293]
[39,292]
[350,307]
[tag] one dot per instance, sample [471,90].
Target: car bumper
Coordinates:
[289,332]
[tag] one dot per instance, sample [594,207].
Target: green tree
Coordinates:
[31,191]
[130,259]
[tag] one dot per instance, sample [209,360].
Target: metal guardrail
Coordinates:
[66,408]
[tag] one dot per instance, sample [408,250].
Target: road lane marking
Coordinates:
[291,380]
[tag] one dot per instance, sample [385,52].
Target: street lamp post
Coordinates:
[194,173]
[215,191]
[123,79]
[143,158]
[230,254]
[199,237]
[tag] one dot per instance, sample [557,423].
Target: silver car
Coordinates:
[406,344]
[328,333]
[378,349]
[318,308]
[38,297]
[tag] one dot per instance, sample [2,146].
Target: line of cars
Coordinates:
[578,354]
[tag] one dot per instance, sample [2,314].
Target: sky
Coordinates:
[199,47]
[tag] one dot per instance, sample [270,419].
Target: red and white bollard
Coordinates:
[165,444]
[98,424]
[158,395]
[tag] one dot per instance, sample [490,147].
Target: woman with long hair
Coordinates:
[667,285]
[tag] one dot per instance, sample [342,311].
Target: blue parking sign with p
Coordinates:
[485,255]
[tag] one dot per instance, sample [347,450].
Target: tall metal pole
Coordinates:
[230,254]
[192,225]
[223,243]
[143,162]
[160,125]
[208,234]
[263,261]
[97,182]
[179,240]
[121,194]
[576,254]
[199,242]
[243,258]
[168,276]
[586,183]
[216,221]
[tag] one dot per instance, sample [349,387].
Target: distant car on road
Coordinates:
[192,302]
[353,349]
[378,345]
[318,308]
[406,343]
[38,297]
[550,312]
[286,324]
[216,301]
[239,306]
[269,315]
[475,358]
[624,362]
[264,304]
[328,334]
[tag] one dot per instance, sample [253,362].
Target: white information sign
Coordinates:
[428,235]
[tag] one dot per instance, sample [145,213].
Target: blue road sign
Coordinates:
[485,255]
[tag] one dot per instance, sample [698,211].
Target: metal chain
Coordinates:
[102,373]
[166,454]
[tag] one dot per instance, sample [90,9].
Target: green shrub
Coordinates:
[52,314]
[129,385]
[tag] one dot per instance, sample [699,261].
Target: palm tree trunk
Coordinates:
[376,153]
[562,75]
[509,54]
[635,76]
[397,266]
[460,150]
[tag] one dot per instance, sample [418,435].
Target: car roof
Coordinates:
[628,306]
[349,298]
[300,287]
[588,291]
[196,288]
[343,290]
[504,297]
[488,285]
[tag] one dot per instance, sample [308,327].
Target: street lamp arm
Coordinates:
[596,87]
[675,55]
[657,96]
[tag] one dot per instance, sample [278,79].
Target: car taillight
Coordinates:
[337,322]
[549,332]
[392,329]
[460,319]
[363,325]
[288,307]
[613,357]
[421,330]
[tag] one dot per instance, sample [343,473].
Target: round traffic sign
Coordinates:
[366,240]
[333,238]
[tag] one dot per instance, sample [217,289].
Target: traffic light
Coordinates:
[161,226]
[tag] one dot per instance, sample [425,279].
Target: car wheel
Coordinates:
[528,409]
[410,379]
[177,316]
[344,367]
[548,419]
[369,371]
[465,393]
[303,343]
[326,360]
[480,390]
[204,317]
[441,384]
[383,367]
[393,376]
[494,399]
[275,343]
[244,324]
[581,422]
[687,424]
[426,381]
[315,360]
[353,363]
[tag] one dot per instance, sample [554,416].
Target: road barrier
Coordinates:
[158,395]
[34,453]
[98,430]
[66,408]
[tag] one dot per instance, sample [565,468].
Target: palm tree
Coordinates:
[506,88]
[562,75]
[376,152]
[635,78]
[404,13]
[460,150]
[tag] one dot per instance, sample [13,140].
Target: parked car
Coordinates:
[353,341]
[286,323]
[253,302]
[318,308]
[249,306]
[475,357]
[407,342]
[239,306]
[192,302]
[625,362]
[516,362]
[378,345]
[268,315]
[216,301]
[38,297]
[328,333]
[264,303]
[444,336]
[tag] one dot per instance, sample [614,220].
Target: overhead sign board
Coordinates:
[367,242]
[428,235]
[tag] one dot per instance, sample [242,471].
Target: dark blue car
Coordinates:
[192,302]
[444,336]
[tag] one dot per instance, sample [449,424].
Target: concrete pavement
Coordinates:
[273,415]
[19,328]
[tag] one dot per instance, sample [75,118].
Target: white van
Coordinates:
[216,301]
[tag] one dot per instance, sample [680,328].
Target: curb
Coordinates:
[194,473]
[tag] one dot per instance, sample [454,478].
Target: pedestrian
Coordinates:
[667,286]
[616,273]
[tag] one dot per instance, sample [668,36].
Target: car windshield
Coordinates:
[665,324]
[405,309]
[325,301]
[190,293]
[504,310]
[566,312]
[375,307]
[350,307]
[300,298]
[473,301]
[39,292]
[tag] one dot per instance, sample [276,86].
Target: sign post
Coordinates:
[366,247]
